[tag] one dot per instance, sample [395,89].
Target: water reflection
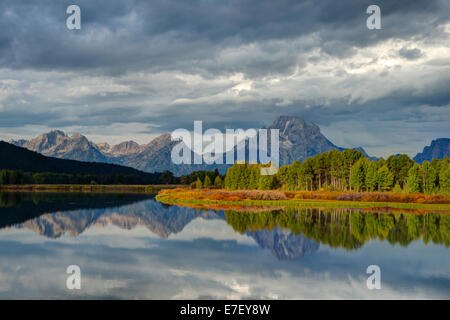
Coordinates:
[18,207]
[347,228]
[295,253]
[128,212]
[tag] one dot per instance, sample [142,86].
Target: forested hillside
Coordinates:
[18,164]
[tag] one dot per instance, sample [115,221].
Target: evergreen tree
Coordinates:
[166,177]
[414,181]
[226,182]
[254,177]
[399,167]
[444,176]
[267,182]
[198,184]
[350,157]
[307,173]
[358,175]
[241,177]
[283,177]
[207,182]
[372,176]
[218,182]
[3,177]
[385,179]
[293,175]
[429,178]
[397,188]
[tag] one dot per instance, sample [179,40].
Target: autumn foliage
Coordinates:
[241,195]
[370,197]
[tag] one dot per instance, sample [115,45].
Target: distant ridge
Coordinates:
[59,145]
[18,158]
[439,149]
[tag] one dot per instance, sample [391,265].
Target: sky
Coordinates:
[140,68]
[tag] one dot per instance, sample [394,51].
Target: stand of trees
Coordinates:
[347,170]
[200,179]
[20,177]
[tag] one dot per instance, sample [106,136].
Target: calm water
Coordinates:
[131,246]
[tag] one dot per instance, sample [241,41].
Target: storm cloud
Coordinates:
[140,68]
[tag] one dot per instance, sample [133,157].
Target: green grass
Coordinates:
[309,203]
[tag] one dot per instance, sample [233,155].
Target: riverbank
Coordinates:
[216,198]
[86,188]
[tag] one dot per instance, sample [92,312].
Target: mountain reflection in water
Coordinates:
[127,212]
[131,246]
[288,233]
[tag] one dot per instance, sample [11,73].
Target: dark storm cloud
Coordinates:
[120,36]
[410,54]
[132,61]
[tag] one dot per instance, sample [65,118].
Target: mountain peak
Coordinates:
[438,149]
[77,135]
[58,132]
[57,144]
[103,146]
[299,139]
[294,127]
[164,139]
[125,148]
[54,134]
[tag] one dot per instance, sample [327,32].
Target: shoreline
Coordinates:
[75,188]
[198,198]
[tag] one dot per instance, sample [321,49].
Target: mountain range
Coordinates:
[298,141]
[438,149]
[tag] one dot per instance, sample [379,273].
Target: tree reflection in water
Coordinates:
[347,228]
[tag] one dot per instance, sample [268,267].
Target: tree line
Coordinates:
[203,179]
[347,170]
[13,177]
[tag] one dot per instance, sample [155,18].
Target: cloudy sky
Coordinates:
[140,68]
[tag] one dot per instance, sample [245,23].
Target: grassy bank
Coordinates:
[85,188]
[217,198]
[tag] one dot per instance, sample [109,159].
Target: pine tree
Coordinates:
[307,173]
[399,167]
[226,181]
[444,176]
[429,178]
[207,182]
[283,176]
[3,177]
[358,175]
[350,157]
[254,177]
[397,188]
[293,176]
[385,178]
[267,182]
[198,184]
[218,182]
[414,181]
[371,176]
